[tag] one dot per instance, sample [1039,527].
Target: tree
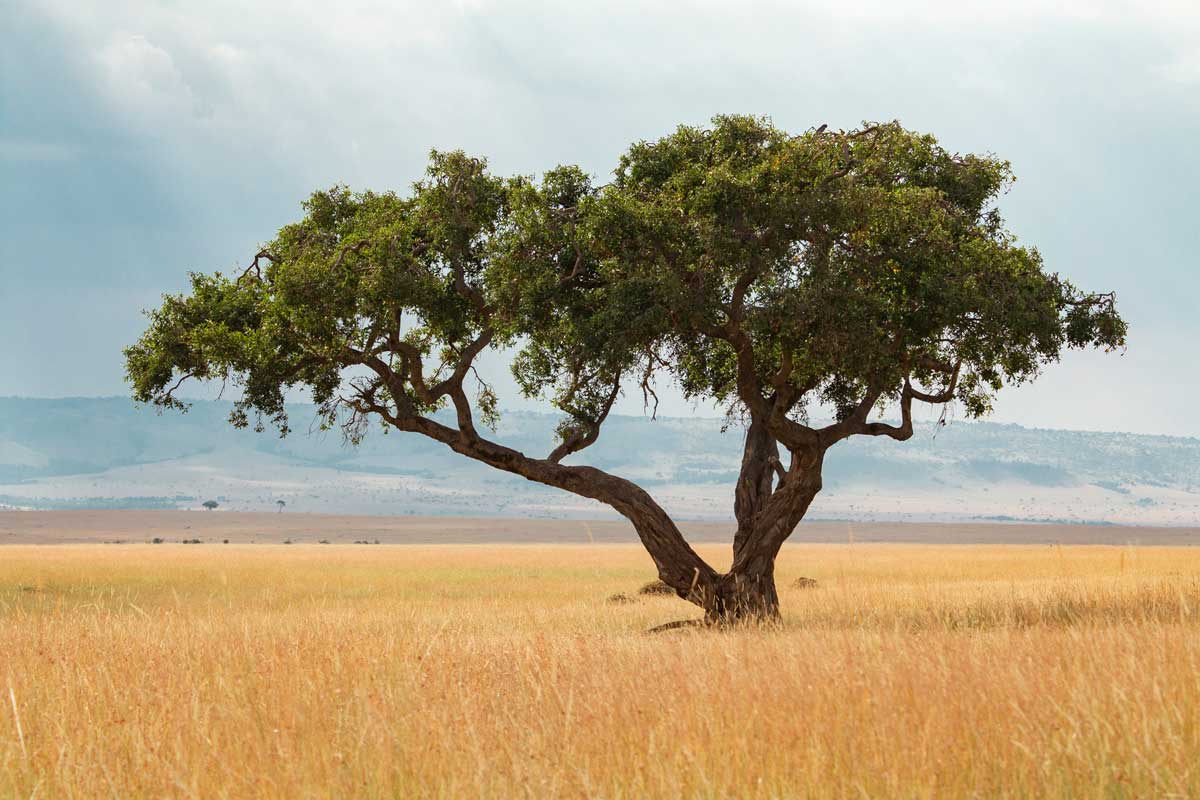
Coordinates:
[859,271]
[210,504]
[281,504]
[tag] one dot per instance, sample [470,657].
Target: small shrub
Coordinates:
[157,540]
[656,587]
[620,598]
[804,583]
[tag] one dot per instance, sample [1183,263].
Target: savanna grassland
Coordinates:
[507,671]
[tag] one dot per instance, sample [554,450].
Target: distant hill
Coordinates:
[108,452]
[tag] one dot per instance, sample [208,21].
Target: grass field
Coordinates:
[504,671]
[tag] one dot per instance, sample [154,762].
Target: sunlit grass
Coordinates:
[374,671]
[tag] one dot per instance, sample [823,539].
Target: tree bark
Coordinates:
[755,479]
[745,597]
[747,592]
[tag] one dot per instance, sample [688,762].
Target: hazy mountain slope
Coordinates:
[109,452]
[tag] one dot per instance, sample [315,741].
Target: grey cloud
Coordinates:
[150,139]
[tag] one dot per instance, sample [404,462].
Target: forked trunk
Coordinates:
[747,592]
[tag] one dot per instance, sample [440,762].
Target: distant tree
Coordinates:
[281,504]
[210,504]
[858,271]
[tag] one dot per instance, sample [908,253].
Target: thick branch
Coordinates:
[575,270]
[748,387]
[678,565]
[465,359]
[904,430]
[413,369]
[847,160]
[756,478]
[777,465]
[754,554]
[468,291]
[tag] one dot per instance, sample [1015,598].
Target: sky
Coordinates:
[142,140]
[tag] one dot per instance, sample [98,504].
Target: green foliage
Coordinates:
[872,255]
[843,265]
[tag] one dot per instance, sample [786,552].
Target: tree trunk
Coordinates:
[745,597]
[756,479]
[747,592]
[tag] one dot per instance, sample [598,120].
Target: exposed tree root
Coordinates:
[760,623]
[679,623]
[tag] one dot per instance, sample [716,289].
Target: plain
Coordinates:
[515,670]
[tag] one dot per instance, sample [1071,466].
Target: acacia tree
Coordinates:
[859,270]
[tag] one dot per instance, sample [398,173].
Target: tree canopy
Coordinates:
[772,272]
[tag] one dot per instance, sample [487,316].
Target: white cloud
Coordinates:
[351,90]
[141,79]
[250,105]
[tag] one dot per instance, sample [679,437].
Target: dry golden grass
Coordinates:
[462,671]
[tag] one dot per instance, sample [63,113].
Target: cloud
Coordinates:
[144,139]
[141,79]
[359,91]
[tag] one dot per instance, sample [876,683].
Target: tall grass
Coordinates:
[329,671]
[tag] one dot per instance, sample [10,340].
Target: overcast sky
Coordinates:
[142,140]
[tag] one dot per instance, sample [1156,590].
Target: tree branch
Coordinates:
[847,159]
[1107,299]
[355,248]
[777,466]
[254,265]
[584,437]
[575,270]
[904,430]
[468,291]
[465,359]
[678,564]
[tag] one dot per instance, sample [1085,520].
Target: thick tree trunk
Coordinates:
[745,597]
[747,592]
